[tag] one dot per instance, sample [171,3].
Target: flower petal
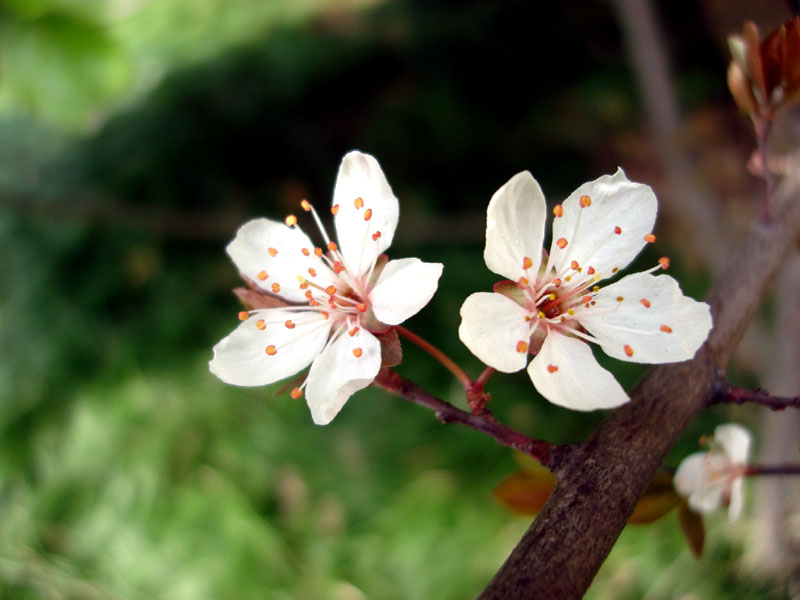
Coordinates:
[691,474]
[652,323]
[362,191]
[737,499]
[492,326]
[515,228]
[567,374]
[695,479]
[241,358]
[338,373]
[403,288]
[607,232]
[269,252]
[735,442]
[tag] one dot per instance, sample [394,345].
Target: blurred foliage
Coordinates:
[128,470]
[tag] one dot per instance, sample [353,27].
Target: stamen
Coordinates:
[306,205]
[309,294]
[276,287]
[666,328]
[353,331]
[338,267]
[522,283]
[312,271]
[357,352]
[261,324]
[332,246]
[620,298]
[645,302]
[575,266]
[361,307]
[272,252]
[628,350]
[359,203]
[262,275]
[561,243]
[596,289]
[375,236]
[585,201]
[617,230]
[615,269]
[334,209]
[527,263]
[244,315]
[552,368]
[649,238]
[318,252]
[558,210]
[368,214]
[522,346]
[324,314]
[556,282]
[291,220]
[664,262]
[331,290]
[272,350]
[296,393]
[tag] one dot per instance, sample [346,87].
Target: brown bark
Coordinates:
[601,479]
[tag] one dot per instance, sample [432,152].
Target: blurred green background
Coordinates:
[136,135]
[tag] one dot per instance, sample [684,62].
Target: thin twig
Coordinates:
[447,413]
[730,394]
[448,362]
[752,470]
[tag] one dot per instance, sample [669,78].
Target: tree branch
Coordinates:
[601,479]
[447,413]
[736,395]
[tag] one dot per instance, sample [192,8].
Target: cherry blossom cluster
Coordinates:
[334,302]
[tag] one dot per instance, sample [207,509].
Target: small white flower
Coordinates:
[340,296]
[714,478]
[552,306]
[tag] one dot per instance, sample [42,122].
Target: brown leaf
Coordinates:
[771,53]
[692,528]
[790,72]
[658,499]
[253,298]
[525,492]
[391,350]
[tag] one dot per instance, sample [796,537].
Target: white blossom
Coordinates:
[552,306]
[339,295]
[714,478]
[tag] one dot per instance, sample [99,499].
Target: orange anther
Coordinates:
[290,324]
[375,236]
[261,324]
[309,294]
[552,368]
[276,287]
[291,220]
[306,252]
[368,214]
[332,246]
[331,289]
[615,269]
[305,204]
[272,252]
[556,282]
[272,350]
[361,307]
[334,209]
[558,210]
[262,275]
[313,302]
[357,352]
[617,230]
[586,299]
[628,350]
[522,346]
[358,202]
[324,314]
[353,331]
[304,285]
[575,266]
[645,302]
[590,271]
[664,262]
[527,263]
[561,243]
[620,298]
[312,271]
[585,201]
[296,393]
[338,267]
[649,238]
[318,252]
[523,282]
[244,315]
[666,328]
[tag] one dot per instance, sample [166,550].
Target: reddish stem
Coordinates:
[459,373]
[763,128]
[447,413]
[751,470]
[731,394]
